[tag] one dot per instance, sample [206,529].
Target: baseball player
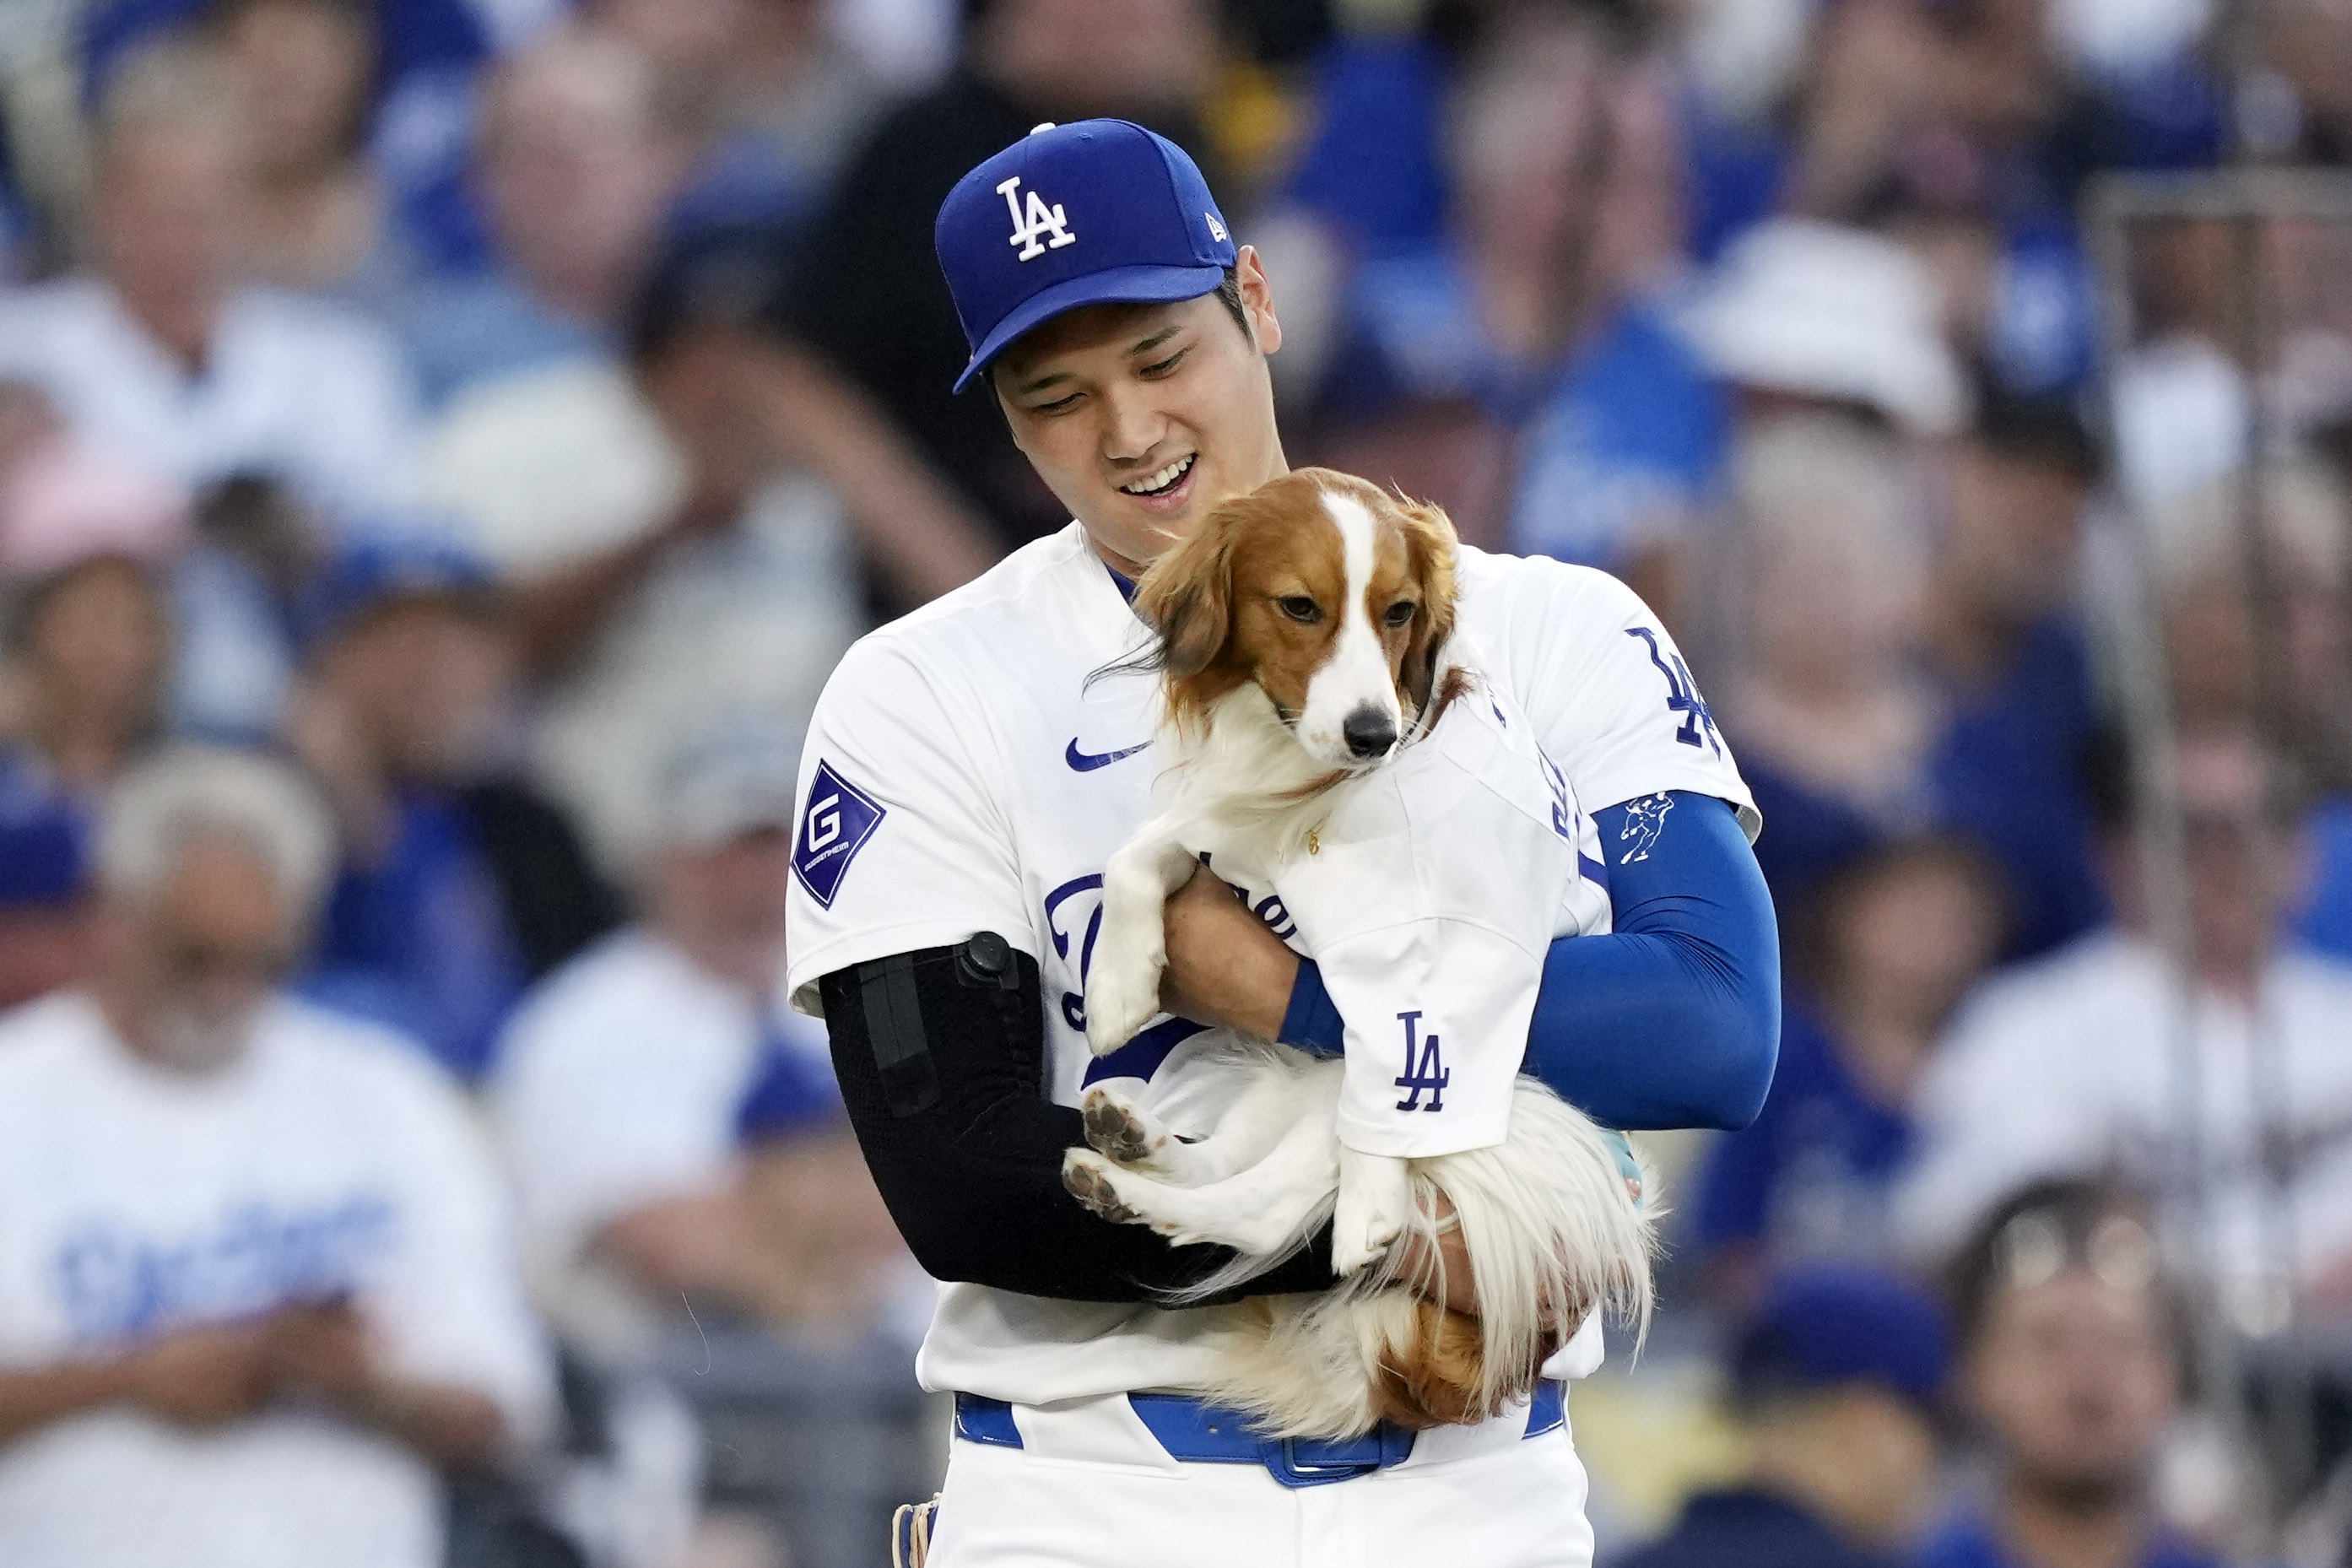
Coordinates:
[964,783]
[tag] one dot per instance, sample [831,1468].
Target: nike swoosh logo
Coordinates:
[1081,763]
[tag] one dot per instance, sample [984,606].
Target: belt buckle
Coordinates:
[1291,1471]
[1382,1446]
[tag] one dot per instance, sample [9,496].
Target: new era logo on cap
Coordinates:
[1101,212]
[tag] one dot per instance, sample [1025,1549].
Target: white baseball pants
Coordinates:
[1091,1488]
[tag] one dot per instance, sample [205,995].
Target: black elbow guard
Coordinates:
[940,1057]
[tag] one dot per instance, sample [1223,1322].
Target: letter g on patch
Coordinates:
[837,820]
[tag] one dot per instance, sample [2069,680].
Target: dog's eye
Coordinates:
[1399,612]
[1300,607]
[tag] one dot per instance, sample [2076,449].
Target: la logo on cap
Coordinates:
[1038,220]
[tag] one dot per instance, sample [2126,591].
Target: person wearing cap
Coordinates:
[964,783]
[675,1142]
[631,1083]
[1836,1375]
[2072,1346]
[459,884]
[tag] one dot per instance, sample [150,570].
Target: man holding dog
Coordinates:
[964,783]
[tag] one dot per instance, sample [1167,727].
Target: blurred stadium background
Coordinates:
[506,411]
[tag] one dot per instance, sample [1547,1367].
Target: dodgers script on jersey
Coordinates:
[963,775]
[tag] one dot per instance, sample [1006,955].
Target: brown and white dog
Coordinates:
[1306,635]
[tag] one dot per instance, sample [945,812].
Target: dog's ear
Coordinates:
[1188,595]
[1430,546]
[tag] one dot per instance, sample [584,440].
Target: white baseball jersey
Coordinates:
[963,775]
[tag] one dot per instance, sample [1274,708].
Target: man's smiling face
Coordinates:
[1143,418]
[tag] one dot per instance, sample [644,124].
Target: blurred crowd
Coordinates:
[446,444]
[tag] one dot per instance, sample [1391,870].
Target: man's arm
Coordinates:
[196,1377]
[1671,1020]
[943,1066]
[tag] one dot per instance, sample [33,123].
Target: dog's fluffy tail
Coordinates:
[1552,1233]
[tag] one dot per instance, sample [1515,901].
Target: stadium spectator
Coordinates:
[1834,719]
[459,885]
[1511,369]
[305,74]
[574,168]
[256,1280]
[866,292]
[1836,1375]
[2071,1351]
[2098,1032]
[167,354]
[683,1165]
[1892,942]
[81,682]
[87,646]
[2217,635]
[737,606]
[82,654]
[770,100]
[2286,663]
[2005,648]
[632,1084]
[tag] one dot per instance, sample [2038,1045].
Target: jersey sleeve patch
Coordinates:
[834,826]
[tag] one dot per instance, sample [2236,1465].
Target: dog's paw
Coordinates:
[1375,1200]
[1095,1183]
[1122,1130]
[1122,996]
[1365,1241]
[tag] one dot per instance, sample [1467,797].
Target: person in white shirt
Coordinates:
[690,1192]
[2073,1065]
[166,355]
[256,1283]
[672,1127]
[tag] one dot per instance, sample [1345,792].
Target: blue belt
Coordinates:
[1195,1430]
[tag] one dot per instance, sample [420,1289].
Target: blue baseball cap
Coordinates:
[1823,1324]
[375,571]
[1098,212]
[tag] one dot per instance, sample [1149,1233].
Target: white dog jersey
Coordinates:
[964,774]
[1429,893]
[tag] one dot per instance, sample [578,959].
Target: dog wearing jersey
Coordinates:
[1305,641]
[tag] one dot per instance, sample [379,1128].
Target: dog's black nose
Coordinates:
[1369,732]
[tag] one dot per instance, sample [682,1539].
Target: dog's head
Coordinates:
[1328,593]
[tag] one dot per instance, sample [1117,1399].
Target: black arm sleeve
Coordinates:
[941,1055]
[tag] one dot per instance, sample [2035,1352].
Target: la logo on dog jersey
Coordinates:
[1038,219]
[1424,1069]
[840,817]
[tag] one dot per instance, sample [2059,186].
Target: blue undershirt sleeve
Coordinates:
[1671,1020]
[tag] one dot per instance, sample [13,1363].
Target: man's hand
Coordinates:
[322,1348]
[1225,967]
[201,1377]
